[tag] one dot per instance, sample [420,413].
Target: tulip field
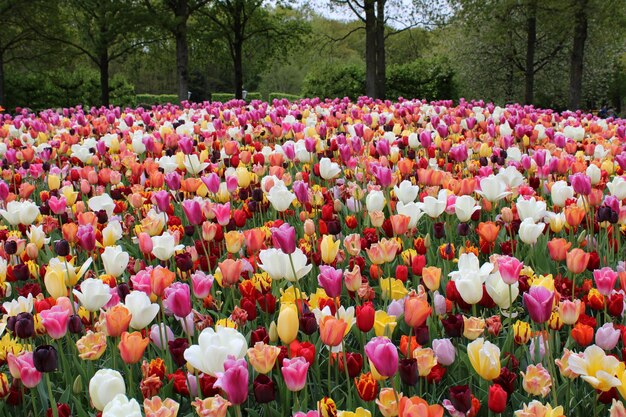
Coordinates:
[316,258]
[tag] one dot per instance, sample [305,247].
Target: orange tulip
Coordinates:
[488,231]
[577,260]
[190,185]
[117,320]
[254,239]
[132,346]
[160,279]
[432,277]
[332,330]
[400,224]
[582,334]
[234,240]
[417,407]
[416,311]
[574,215]
[231,271]
[558,249]
[69,232]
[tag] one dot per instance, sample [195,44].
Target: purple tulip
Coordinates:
[538,302]
[284,238]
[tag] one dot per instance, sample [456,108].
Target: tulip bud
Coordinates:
[273,332]
[77,386]
[75,324]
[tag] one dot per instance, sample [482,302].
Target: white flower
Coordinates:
[464,207]
[529,232]
[407,192]
[329,169]
[214,347]
[492,188]
[37,236]
[412,210]
[104,386]
[138,145]
[21,305]
[20,212]
[375,201]
[596,367]
[93,294]
[102,202]
[299,264]
[193,164]
[280,198]
[511,177]
[115,260]
[594,173]
[498,290]
[112,233]
[434,207]
[414,141]
[81,152]
[530,209]
[164,246]
[121,406]
[575,133]
[560,193]
[167,163]
[470,276]
[617,187]
[274,261]
[142,310]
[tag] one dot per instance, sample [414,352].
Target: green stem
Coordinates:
[53,403]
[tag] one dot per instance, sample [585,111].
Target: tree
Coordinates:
[578,53]
[239,22]
[173,16]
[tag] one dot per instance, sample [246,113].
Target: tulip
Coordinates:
[234,380]
[470,277]
[387,402]
[284,238]
[55,321]
[164,246]
[332,330]
[115,260]
[121,406]
[617,409]
[607,336]
[501,293]
[274,262]
[330,279]
[213,348]
[509,268]
[215,406]
[94,294]
[160,279]
[383,354]
[416,311]
[558,248]
[264,389]
[426,360]
[444,351]
[465,207]
[193,211]
[102,202]
[141,309]
[605,279]
[45,358]
[328,169]
[23,368]
[201,284]
[492,189]
[406,192]
[596,368]
[287,325]
[262,357]
[294,373]
[569,311]
[375,201]
[536,380]
[560,192]
[538,302]
[20,212]
[529,232]
[497,399]
[155,407]
[434,207]
[91,346]
[577,260]
[280,198]
[329,249]
[485,358]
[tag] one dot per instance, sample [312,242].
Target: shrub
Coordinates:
[222,97]
[151,99]
[279,96]
[335,81]
[431,79]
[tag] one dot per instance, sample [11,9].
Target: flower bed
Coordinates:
[314,258]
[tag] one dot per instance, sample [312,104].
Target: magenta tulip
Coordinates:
[294,373]
[234,380]
[538,302]
[581,183]
[509,268]
[284,238]
[383,354]
[201,284]
[331,280]
[193,211]
[177,299]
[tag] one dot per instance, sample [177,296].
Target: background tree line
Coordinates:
[550,53]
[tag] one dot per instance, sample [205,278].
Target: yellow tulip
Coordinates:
[359,412]
[329,249]
[288,323]
[598,369]
[485,358]
[387,403]
[535,408]
[54,182]
[398,291]
[262,357]
[243,177]
[384,324]
[234,241]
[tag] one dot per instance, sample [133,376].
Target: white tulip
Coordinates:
[594,173]
[617,187]
[492,188]
[37,236]
[511,177]
[274,261]
[464,207]
[115,260]
[412,210]
[94,294]
[434,207]
[104,386]
[470,276]
[121,406]
[280,197]
[102,202]
[530,209]
[560,193]
[529,232]
[142,310]
[375,201]
[164,246]
[498,290]
[193,165]
[167,163]
[299,260]
[214,347]
[414,141]
[329,169]
[406,192]
[575,133]
[112,232]
[20,212]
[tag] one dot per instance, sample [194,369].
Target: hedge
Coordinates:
[150,99]
[280,96]
[224,97]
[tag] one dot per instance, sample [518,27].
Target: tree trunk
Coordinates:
[370,49]
[531,43]
[381,67]
[2,98]
[182,62]
[577,57]
[104,78]
[238,63]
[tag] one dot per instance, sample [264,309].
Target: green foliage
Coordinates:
[423,78]
[222,97]
[254,96]
[278,96]
[150,99]
[60,88]
[335,81]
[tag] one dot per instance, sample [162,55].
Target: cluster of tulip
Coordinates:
[318,258]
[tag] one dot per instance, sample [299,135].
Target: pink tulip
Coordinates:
[331,280]
[193,211]
[145,242]
[186,145]
[212,182]
[538,302]
[234,380]
[383,354]
[86,237]
[231,183]
[222,213]
[161,199]
[607,336]
[201,284]
[605,279]
[57,205]
[161,332]
[178,299]
[294,372]
[173,180]
[509,268]
[581,183]
[22,367]
[55,321]
[284,238]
